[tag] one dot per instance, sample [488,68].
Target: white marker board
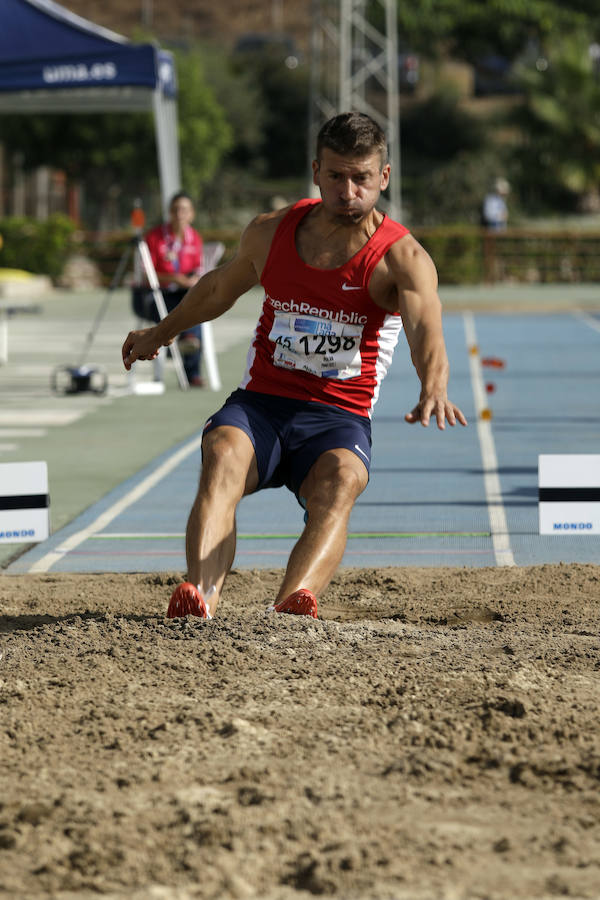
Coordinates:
[24,502]
[569,493]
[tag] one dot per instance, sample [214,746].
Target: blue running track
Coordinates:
[464,497]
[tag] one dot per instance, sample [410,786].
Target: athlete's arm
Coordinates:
[412,284]
[210,297]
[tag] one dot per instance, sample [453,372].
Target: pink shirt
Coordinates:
[172,255]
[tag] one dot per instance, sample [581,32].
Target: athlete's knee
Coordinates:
[221,464]
[336,479]
[218,449]
[228,461]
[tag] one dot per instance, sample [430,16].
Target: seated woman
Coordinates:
[177,255]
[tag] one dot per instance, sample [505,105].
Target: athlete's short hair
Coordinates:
[352,134]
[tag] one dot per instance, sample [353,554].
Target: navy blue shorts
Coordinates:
[289,435]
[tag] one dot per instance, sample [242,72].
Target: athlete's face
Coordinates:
[350,185]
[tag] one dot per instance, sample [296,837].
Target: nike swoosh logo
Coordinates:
[356,447]
[349,287]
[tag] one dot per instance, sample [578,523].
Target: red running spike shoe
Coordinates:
[187,600]
[300,603]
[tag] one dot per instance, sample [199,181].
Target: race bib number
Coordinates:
[318,346]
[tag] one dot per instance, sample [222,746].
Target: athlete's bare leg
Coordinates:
[229,471]
[330,490]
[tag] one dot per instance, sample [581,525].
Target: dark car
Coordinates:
[493,75]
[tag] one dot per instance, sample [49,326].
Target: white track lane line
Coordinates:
[46,562]
[588,320]
[493,492]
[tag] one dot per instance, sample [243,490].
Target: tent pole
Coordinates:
[165,126]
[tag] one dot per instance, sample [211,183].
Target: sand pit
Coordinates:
[433,736]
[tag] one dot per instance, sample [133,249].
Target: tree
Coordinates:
[204,133]
[469,29]
[284,111]
[265,103]
[240,97]
[448,161]
[559,152]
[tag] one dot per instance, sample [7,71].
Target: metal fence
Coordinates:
[466,255]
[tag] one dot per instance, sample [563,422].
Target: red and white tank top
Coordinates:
[320,337]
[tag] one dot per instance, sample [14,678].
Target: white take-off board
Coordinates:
[569,493]
[24,502]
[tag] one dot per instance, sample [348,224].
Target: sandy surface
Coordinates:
[433,736]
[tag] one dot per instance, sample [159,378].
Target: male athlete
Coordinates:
[340,280]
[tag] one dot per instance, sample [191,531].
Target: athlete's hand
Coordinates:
[441,408]
[141,344]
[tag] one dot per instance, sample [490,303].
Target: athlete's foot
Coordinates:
[300,603]
[187,600]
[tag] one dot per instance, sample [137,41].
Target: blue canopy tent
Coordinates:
[52,61]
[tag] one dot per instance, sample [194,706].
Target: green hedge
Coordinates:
[38,247]
[456,251]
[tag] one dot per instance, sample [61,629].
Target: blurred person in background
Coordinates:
[176,251]
[494,213]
